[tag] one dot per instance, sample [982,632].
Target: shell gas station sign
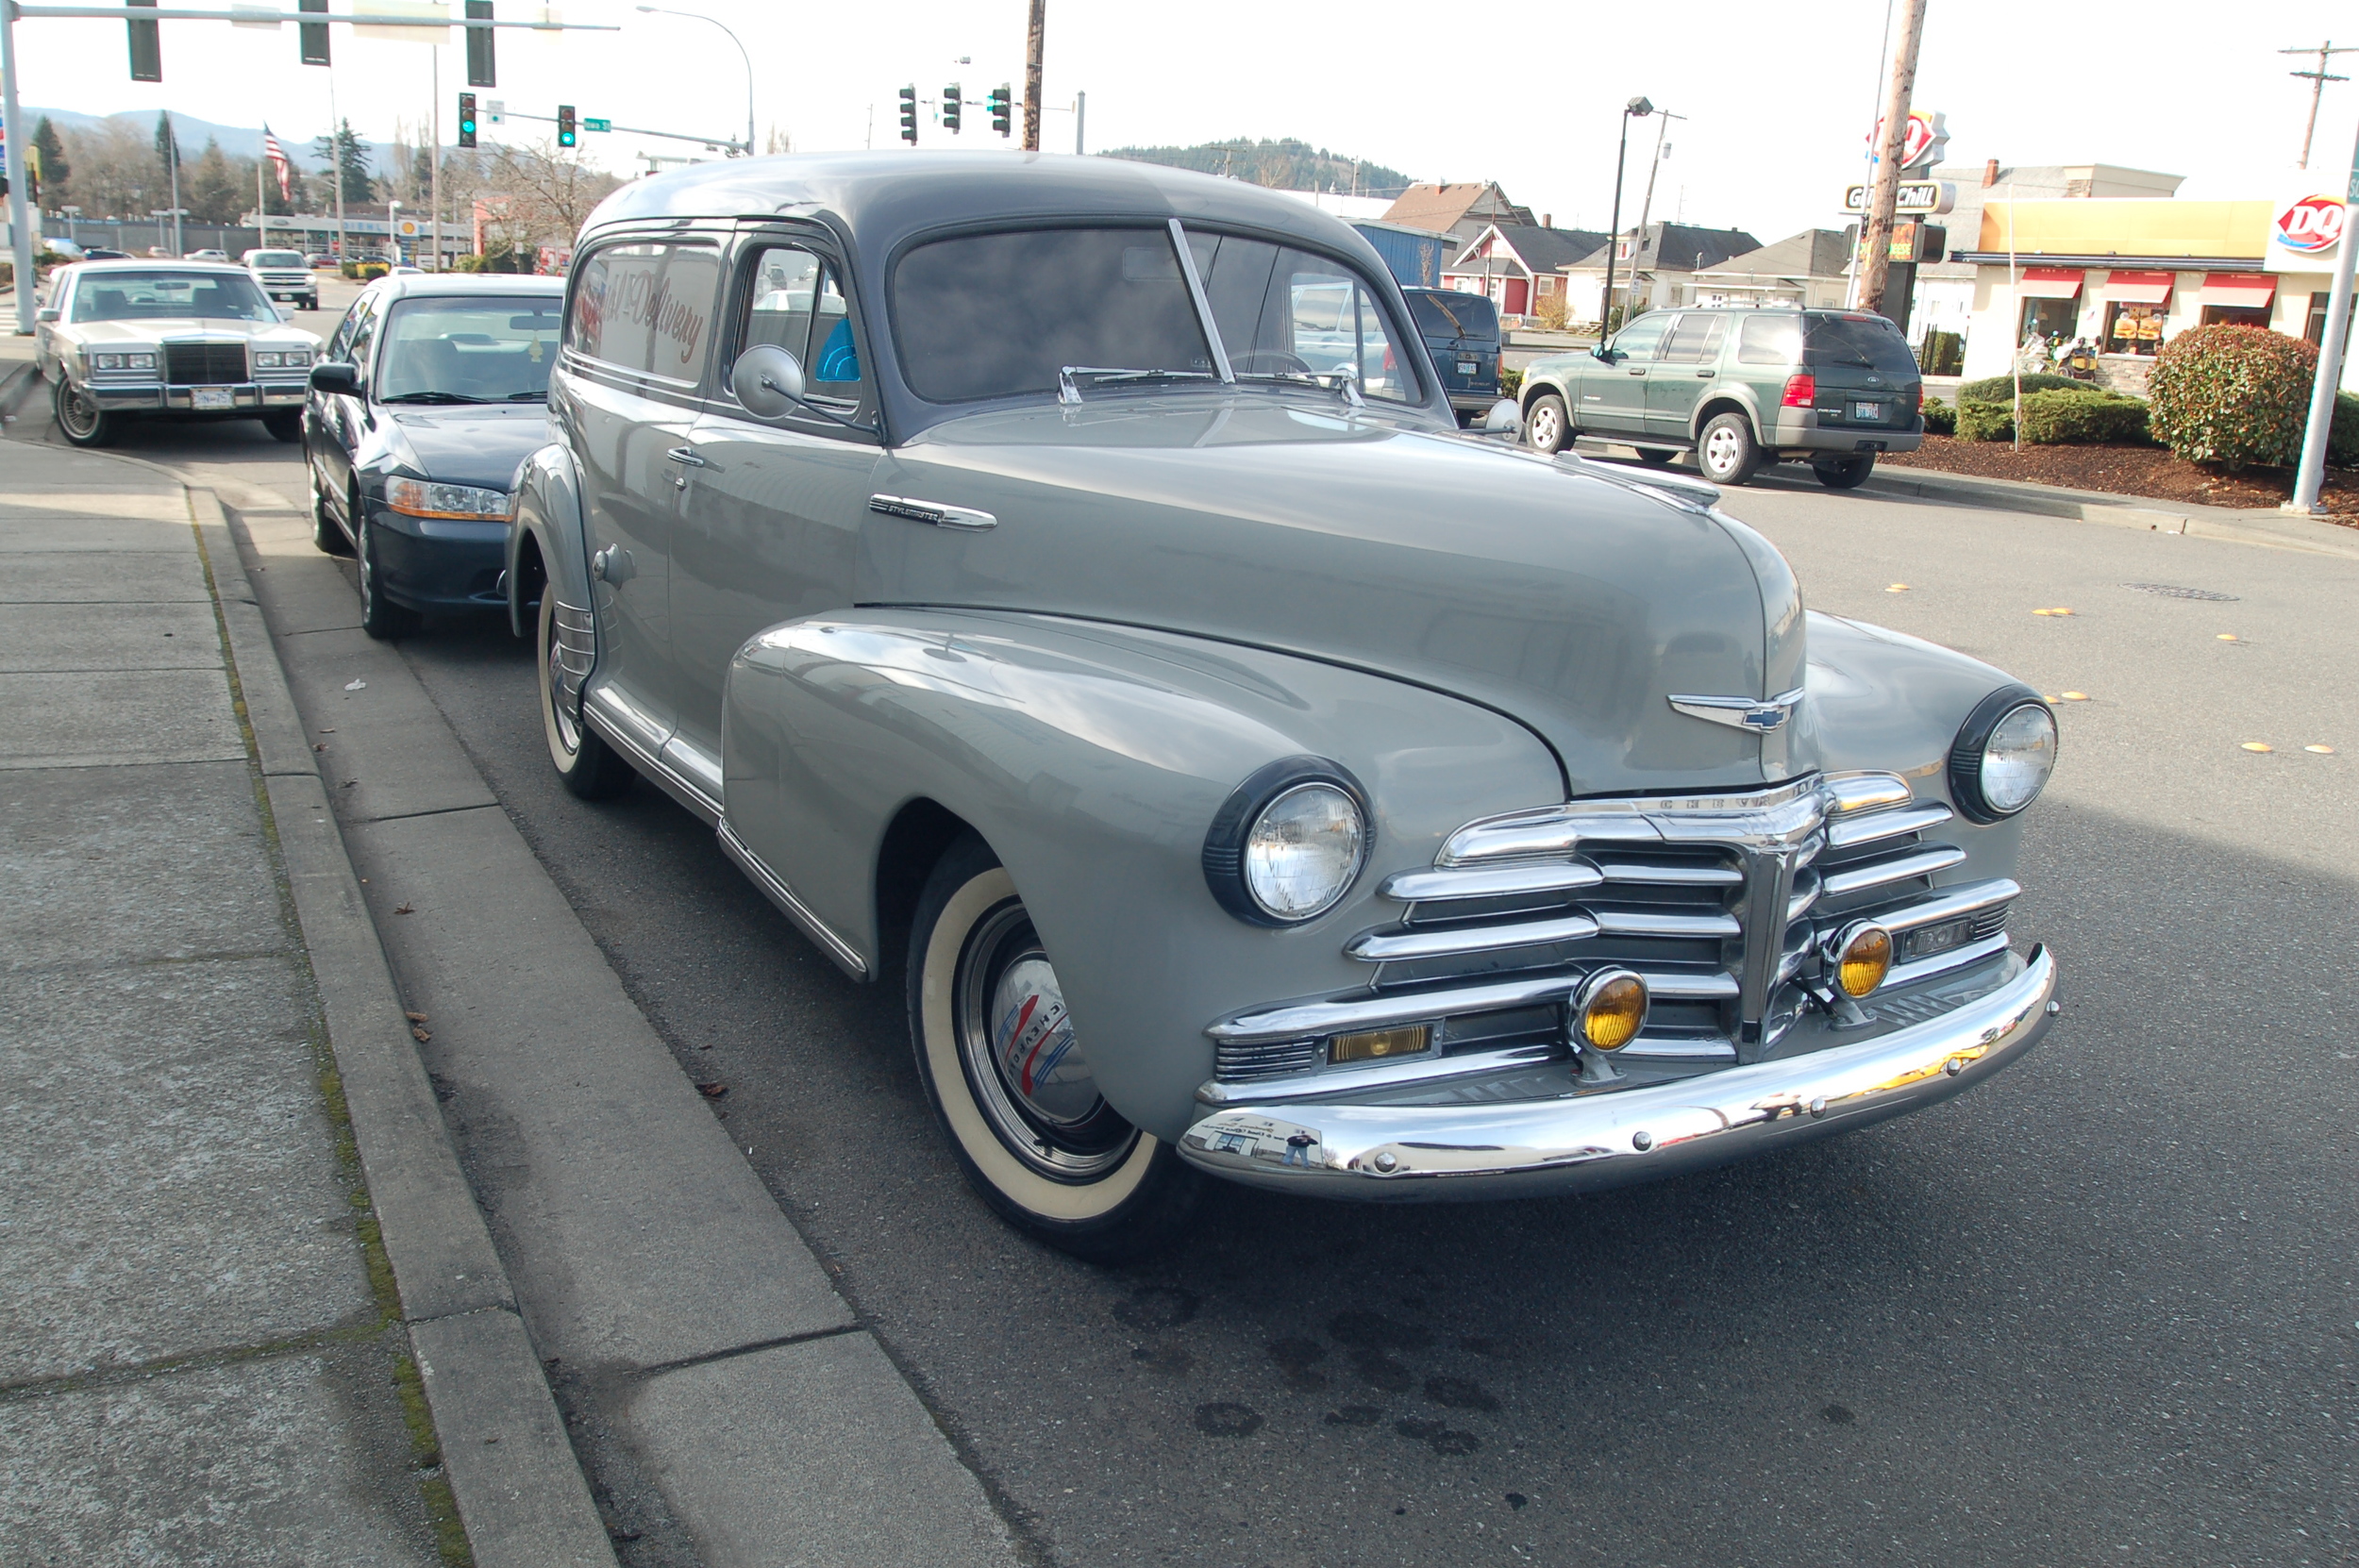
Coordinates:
[2305,231]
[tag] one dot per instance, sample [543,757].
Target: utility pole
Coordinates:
[2318,80]
[1877,267]
[1034,41]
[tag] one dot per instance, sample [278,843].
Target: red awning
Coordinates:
[2139,288]
[2245,291]
[2051,283]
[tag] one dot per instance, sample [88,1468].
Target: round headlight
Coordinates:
[2003,754]
[1862,952]
[1288,843]
[1610,1009]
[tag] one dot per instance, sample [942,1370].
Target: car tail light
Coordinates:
[1802,390]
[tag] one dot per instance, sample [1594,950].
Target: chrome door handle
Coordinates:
[1705,375]
[964,518]
[686,457]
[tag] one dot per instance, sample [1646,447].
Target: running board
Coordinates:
[773,888]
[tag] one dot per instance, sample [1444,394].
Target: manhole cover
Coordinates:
[2164,591]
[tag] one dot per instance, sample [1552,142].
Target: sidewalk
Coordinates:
[248,1312]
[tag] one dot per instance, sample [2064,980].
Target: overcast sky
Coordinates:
[1779,98]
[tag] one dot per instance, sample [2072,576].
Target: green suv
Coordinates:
[1739,387]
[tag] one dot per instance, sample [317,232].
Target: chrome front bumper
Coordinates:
[1535,1148]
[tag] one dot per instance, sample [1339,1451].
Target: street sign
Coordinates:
[588,124]
[496,111]
[1923,198]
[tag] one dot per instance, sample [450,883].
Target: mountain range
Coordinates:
[237,141]
[1285,164]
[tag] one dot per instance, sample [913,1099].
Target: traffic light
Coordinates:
[951,109]
[312,36]
[482,66]
[1002,108]
[147,47]
[909,115]
[566,136]
[466,119]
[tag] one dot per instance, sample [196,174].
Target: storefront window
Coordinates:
[2314,328]
[2050,319]
[2236,315]
[2134,328]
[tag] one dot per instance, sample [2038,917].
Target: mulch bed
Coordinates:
[2145,471]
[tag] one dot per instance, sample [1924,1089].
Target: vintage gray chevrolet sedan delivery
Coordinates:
[1063,587]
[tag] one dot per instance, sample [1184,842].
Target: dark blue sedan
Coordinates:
[430,393]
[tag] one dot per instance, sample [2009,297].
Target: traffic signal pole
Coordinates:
[1876,270]
[20,211]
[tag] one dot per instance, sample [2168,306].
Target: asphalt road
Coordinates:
[2100,1311]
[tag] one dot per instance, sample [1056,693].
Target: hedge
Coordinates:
[1983,420]
[2082,416]
[2342,438]
[1941,419]
[2001,389]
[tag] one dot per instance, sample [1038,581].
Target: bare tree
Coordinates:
[542,193]
[115,171]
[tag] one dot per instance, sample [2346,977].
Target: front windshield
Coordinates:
[993,315]
[273,258]
[470,349]
[168,296]
[1288,312]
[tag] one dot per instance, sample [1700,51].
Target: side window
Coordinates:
[796,303]
[1770,341]
[340,346]
[364,342]
[1639,339]
[1694,339]
[646,308]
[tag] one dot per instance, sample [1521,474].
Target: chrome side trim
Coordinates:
[1390,946]
[1203,302]
[1925,862]
[1679,1048]
[1780,817]
[1762,715]
[1300,1020]
[1643,922]
[1423,887]
[936,513]
[1670,876]
[1602,1140]
[1886,824]
[775,889]
[653,767]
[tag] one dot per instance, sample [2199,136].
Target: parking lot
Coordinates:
[2100,1311]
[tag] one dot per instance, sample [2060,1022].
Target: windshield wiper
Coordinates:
[528,397]
[1068,393]
[432,397]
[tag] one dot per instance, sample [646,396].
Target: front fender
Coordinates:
[1093,758]
[549,524]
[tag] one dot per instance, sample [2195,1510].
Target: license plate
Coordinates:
[1467,367]
[1867,411]
[210,397]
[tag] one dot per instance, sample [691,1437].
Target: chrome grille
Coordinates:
[204,364]
[1517,910]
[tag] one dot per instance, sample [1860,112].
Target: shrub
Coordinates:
[1980,421]
[2232,395]
[1941,419]
[2083,416]
[1550,311]
[2342,440]
[2001,389]
[1511,383]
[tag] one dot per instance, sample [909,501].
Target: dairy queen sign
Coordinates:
[2304,231]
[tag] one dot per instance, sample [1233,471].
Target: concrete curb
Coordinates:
[2271,531]
[16,388]
[520,1491]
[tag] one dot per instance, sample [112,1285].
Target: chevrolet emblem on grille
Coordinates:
[1762,716]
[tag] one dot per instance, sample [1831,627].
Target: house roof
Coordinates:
[1543,250]
[1812,253]
[1442,207]
[1680,249]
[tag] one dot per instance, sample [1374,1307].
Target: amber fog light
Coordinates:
[1610,1009]
[1862,957]
[1368,1044]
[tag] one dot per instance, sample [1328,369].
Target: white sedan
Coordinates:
[179,340]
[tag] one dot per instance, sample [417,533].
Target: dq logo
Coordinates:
[2313,223]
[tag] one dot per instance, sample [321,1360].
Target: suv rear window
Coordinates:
[1451,315]
[1869,341]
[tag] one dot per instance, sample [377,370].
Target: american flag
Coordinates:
[277,156]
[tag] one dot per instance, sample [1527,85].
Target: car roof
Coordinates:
[450,284]
[882,199]
[133,264]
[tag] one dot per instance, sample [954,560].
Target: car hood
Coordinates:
[464,443]
[1575,599]
[182,330]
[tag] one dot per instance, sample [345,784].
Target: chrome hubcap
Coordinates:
[78,415]
[1722,449]
[1016,1045]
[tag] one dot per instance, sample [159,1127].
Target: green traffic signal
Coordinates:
[950,101]
[466,120]
[1002,108]
[909,115]
[566,134]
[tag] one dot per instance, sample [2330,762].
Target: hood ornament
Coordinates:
[1763,716]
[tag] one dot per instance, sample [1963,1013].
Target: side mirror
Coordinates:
[1602,352]
[767,380]
[47,313]
[1504,419]
[336,379]
[286,313]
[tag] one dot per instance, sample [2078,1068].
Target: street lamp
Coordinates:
[70,213]
[699,16]
[393,228]
[1637,108]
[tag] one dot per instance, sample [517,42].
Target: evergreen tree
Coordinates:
[55,169]
[167,147]
[211,190]
[345,153]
